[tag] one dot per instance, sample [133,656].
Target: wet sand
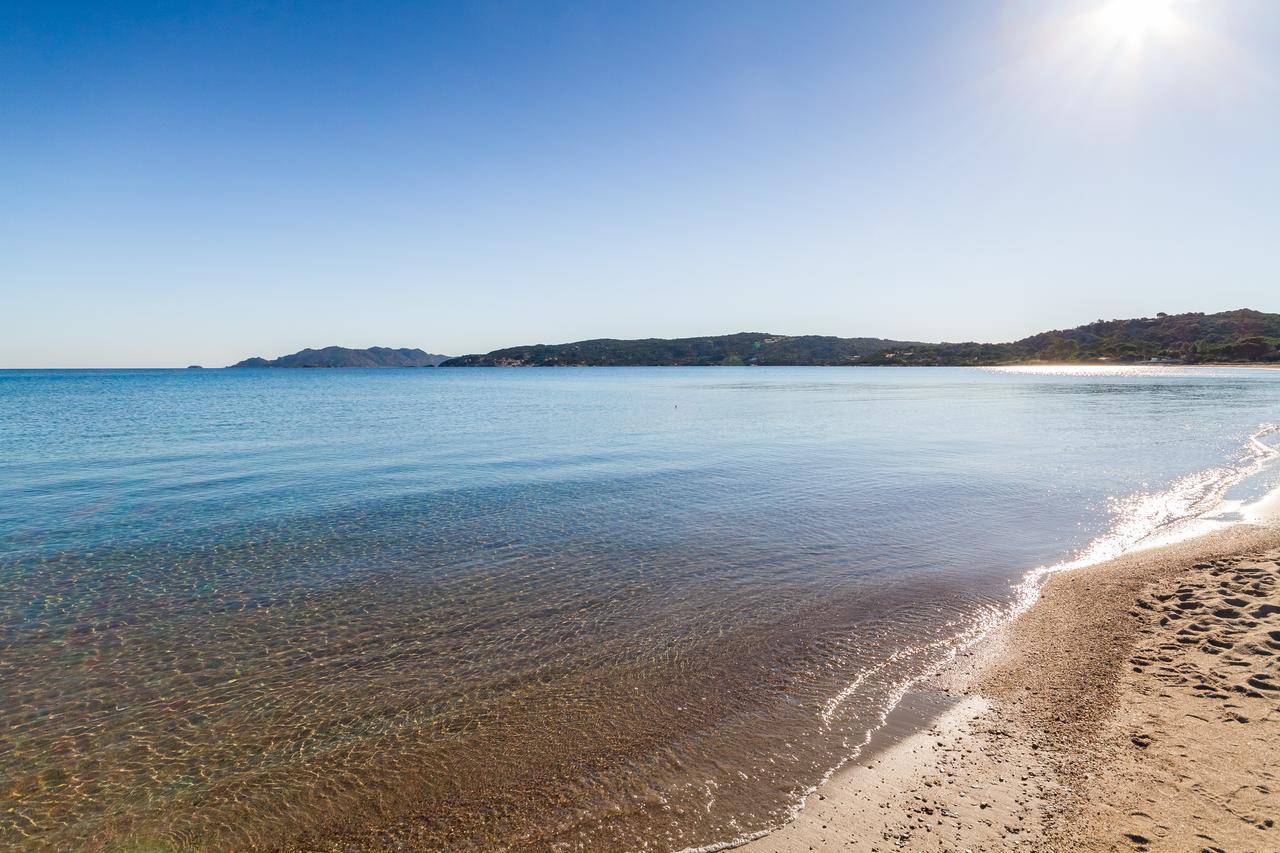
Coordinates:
[1136,706]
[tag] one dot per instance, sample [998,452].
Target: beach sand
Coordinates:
[1135,706]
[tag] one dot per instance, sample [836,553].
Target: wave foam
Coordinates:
[1142,520]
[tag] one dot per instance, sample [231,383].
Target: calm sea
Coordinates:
[577,609]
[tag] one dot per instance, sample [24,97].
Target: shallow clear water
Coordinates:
[603,608]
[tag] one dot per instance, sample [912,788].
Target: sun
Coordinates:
[1135,20]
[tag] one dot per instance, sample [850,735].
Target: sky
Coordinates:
[195,183]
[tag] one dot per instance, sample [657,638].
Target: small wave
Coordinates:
[1151,519]
[1142,520]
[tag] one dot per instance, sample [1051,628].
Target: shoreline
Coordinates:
[1135,705]
[1251,365]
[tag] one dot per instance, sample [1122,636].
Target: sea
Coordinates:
[543,609]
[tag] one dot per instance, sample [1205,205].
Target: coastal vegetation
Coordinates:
[742,348]
[1233,337]
[1241,336]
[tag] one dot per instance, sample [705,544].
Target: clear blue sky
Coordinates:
[186,182]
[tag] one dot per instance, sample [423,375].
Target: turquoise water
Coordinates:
[602,608]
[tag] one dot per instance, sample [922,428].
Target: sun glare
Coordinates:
[1135,20]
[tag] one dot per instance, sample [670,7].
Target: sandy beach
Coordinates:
[1135,706]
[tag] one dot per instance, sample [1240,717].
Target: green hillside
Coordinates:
[743,348]
[1242,336]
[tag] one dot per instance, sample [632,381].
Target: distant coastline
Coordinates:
[1229,338]
[1241,336]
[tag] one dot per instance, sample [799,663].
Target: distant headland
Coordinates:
[1243,336]
[344,357]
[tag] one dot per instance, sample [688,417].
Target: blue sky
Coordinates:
[198,182]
